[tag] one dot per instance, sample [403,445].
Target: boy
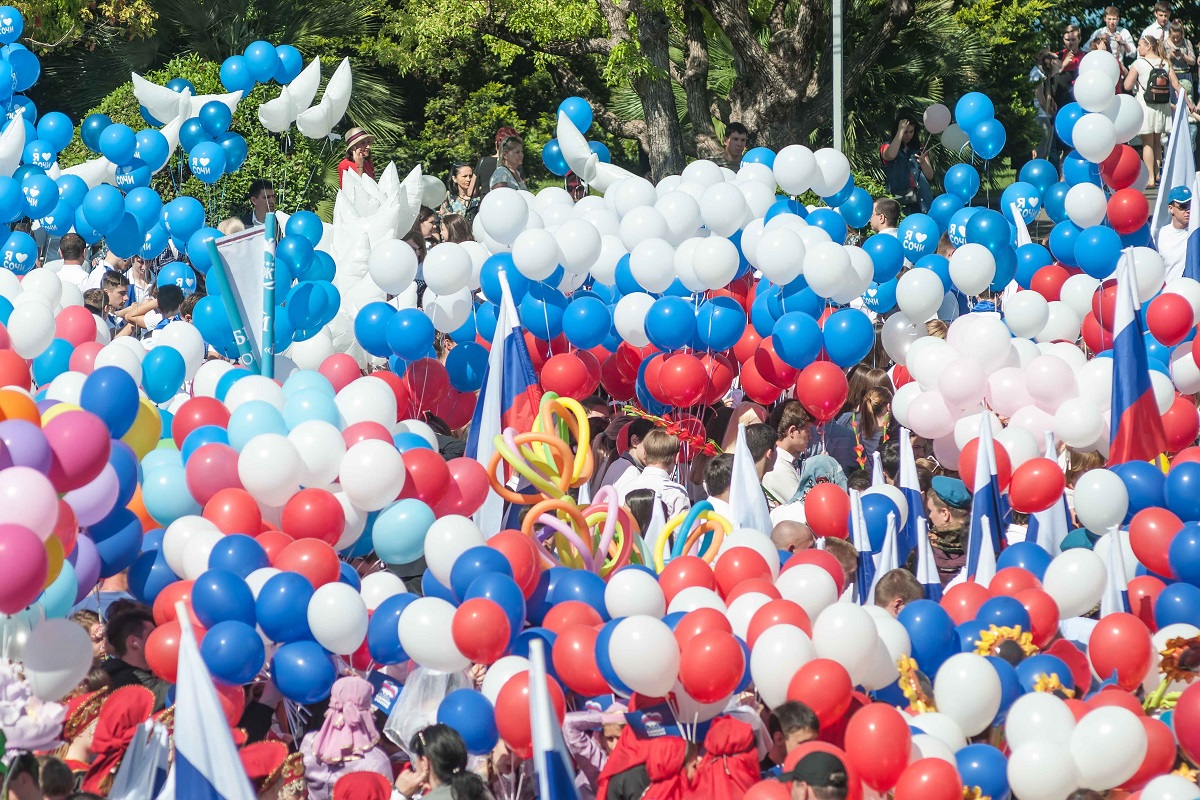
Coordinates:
[170,299]
[661,451]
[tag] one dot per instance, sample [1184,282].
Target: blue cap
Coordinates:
[1180,194]
[952,491]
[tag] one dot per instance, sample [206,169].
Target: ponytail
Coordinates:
[466,785]
[447,754]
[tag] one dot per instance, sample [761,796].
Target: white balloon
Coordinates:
[695,597]
[756,541]
[367,399]
[723,208]
[779,653]
[1186,287]
[926,746]
[1097,136]
[423,628]
[255,387]
[1062,325]
[503,214]
[372,474]
[972,268]
[833,172]
[57,657]
[629,318]
[780,255]
[1108,746]
[1020,445]
[379,586]
[1101,500]
[1086,205]
[1077,422]
[448,312]
[579,242]
[269,468]
[1103,62]
[257,579]
[954,138]
[499,674]
[30,329]
[1075,579]
[197,552]
[176,537]
[207,377]
[961,383]
[1026,313]
[634,591]
[448,538]
[809,587]
[1042,771]
[652,263]
[967,689]
[392,265]
[845,633]
[795,168]
[858,278]
[642,223]
[715,261]
[1038,717]
[1126,114]
[184,337]
[1150,271]
[337,617]
[937,118]
[826,266]
[68,387]
[942,728]
[644,654]
[605,268]
[321,447]
[742,610]
[1076,292]
[44,282]
[927,357]
[919,294]
[536,254]
[447,268]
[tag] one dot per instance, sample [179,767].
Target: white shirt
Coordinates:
[672,494]
[1154,31]
[1124,40]
[784,479]
[1172,246]
[793,512]
[95,277]
[722,507]
[74,273]
[622,484]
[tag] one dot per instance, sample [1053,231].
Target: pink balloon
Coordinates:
[75,324]
[23,568]
[929,416]
[93,502]
[28,499]
[1006,392]
[80,443]
[83,358]
[210,469]
[340,369]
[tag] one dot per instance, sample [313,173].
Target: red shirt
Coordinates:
[347,164]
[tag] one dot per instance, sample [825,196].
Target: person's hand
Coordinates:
[359,156]
[902,127]
[411,781]
[477,673]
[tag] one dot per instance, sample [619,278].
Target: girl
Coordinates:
[1144,78]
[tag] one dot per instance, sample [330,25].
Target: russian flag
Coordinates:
[865,576]
[509,398]
[988,511]
[551,761]
[1137,432]
[1048,528]
[1116,585]
[910,487]
[746,496]
[927,571]
[886,559]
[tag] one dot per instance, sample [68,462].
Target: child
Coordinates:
[170,299]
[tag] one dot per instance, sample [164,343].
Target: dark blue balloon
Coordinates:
[797,338]
[887,255]
[1042,664]
[520,645]
[470,714]
[149,574]
[410,333]
[1184,553]
[1179,602]
[1182,491]
[1077,170]
[489,278]
[670,323]
[383,630]
[962,181]
[876,508]
[604,660]
[988,228]
[1030,258]
[986,767]
[932,634]
[785,205]
[1145,483]
[880,298]
[1062,242]
[540,602]
[586,587]
[1139,238]
[1097,250]
[586,322]
[465,364]
[968,636]
[504,591]
[474,562]
[829,221]
[125,463]
[918,234]
[233,652]
[858,208]
[431,587]
[282,607]
[1006,268]
[111,394]
[1055,201]
[761,316]
[239,554]
[944,207]
[219,595]
[1003,612]
[349,576]
[720,323]
[841,196]
[303,672]
[1010,686]
[118,539]
[1027,555]
[1064,122]
[542,310]
[370,328]
[848,336]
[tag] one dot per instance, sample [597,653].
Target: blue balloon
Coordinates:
[880,298]
[410,334]
[489,278]
[1010,686]
[832,223]
[20,253]
[1064,122]
[470,714]
[932,634]
[104,206]
[785,205]
[192,133]
[604,658]
[797,339]
[237,554]
[539,603]
[306,225]
[182,217]
[858,208]
[601,151]
[11,24]
[210,434]
[957,229]
[179,84]
[988,228]
[144,205]
[118,143]
[125,464]
[1145,484]
[1184,553]
[207,162]
[962,180]
[1039,172]
[26,68]
[541,311]
[1003,612]
[1139,238]
[235,75]
[59,597]
[1006,268]
[1025,196]
[1097,250]
[261,60]
[670,323]
[38,153]
[841,196]
[302,671]
[234,146]
[473,563]
[111,394]
[211,319]
[1182,491]
[307,405]
[53,361]
[349,576]
[282,607]
[383,634]
[219,595]
[1055,201]
[430,587]
[887,256]
[1062,242]
[117,538]
[502,590]
[291,63]
[1077,170]
[984,766]
[876,508]
[12,200]
[233,652]
[988,138]
[1030,258]
[579,111]
[1179,602]
[179,274]
[720,323]
[759,155]
[968,636]
[586,321]
[465,364]
[585,587]
[215,117]
[644,397]
[848,336]
[399,531]
[40,195]
[163,373]
[1027,555]
[972,109]
[943,208]
[149,575]
[553,158]
[918,235]
[152,148]
[133,175]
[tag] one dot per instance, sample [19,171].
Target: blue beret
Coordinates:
[952,491]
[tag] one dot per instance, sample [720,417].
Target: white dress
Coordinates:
[1156,117]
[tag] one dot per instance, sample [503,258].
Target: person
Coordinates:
[230,226]
[948,507]
[121,715]
[1071,54]
[885,216]
[170,300]
[90,622]
[632,432]
[575,186]
[1156,85]
[56,779]
[847,556]
[896,589]
[1172,239]
[1182,55]
[272,771]
[1043,98]
[487,165]
[760,441]
[1105,44]
[590,735]
[793,432]
[791,536]
[439,769]
[461,197]
[818,776]
[641,504]
[659,452]
[117,311]
[23,778]
[907,168]
[736,137]
[508,170]
[718,473]
[1162,18]
[347,741]
[71,247]
[869,421]
[127,632]
[262,202]
[358,155]
[791,724]
[1120,41]
[427,227]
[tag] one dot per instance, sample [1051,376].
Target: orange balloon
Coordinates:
[311,558]
[138,507]
[18,405]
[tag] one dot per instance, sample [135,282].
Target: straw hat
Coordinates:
[357,136]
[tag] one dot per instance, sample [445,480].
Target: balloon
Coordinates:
[967,689]
[711,666]
[233,652]
[881,745]
[1120,645]
[470,714]
[303,671]
[824,686]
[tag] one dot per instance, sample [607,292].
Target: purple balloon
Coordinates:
[25,445]
[45,405]
[92,503]
[87,566]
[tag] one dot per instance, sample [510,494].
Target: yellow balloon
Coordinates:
[55,557]
[56,409]
[144,434]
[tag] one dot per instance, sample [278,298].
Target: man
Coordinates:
[660,454]
[170,300]
[1162,18]
[1173,239]
[793,431]
[736,137]
[23,783]
[897,589]
[760,440]
[886,216]
[71,247]
[110,263]
[818,776]
[262,202]
[718,474]
[127,633]
[631,457]
[1120,42]
[790,725]
[948,506]
[791,536]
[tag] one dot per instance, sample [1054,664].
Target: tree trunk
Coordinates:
[695,83]
[664,134]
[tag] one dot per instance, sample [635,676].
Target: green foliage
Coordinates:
[295,165]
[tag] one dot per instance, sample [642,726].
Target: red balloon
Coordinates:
[901,376]
[746,346]
[567,376]
[756,386]
[824,686]
[164,604]
[1043,614]
[1186,455]
[428,381]
[1128,210]
[711,666]
[362,431]
[340,369]
[574,657]
[1122,167]
[480,630]
[233,702]
[736,565]
[273,543]
[1186,722]
[14,370]
[466,490]
[457,408]
[880,745]
[162,649]
[683,380]
[1048,281]
[929,779]
[405,405]
[196,412]
[966,464]
[1036,485]
[1150,533]
[1118,698]
[827,510]
[755,585]
[823,559]
[311,558]
[235,511]
[1143,594]
[650,377]
[570,613]
[614,381]
[75,324]
[1078,708]
[83,357]
[771,366]
[1170,318]
[512,712]
[1120,643]
[740,290]
[629,358]
[822,390]
[540,350]
[683,573]
[314,514]
[1181,423]
[1011,581]
[66,527]
[1160,754]
[768,789]
[720,373]
[702,620]
[1104,304]
[522,555]
[426,475]
[962,602]
[1094,335]
[777,612]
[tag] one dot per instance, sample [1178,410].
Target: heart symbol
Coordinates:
[34,191]
[872,292]
[920,237]
[21,257]
[48,220]
[202,162]
[7,21]
[1033,202]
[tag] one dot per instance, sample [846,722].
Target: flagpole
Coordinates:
[267,367]
[217,272]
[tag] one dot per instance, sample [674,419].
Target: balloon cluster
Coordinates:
[579,112]
[975,125]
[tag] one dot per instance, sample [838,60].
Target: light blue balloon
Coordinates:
[253,418]
[399,531]
[310,404]
[59,596]
[161,458]
[303,379]
[166,494]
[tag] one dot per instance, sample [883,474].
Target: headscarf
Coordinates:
[349,728]
[122,713]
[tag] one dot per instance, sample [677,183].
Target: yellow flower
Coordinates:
[1186,772]
[910,684]
[994,636]
[1052,685]
[1181,659]
[974,793]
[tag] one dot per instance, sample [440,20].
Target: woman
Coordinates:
[907,168]
[461,197]
[358,155]
[508,171]
[869,422]
[439,770]
[347,741]
[1149,77]
[1182,55]
[454,228]
[1048,64]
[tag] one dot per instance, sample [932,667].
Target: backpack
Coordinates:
[1158,86]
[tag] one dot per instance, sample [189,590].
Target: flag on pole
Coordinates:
[986,506]
[1178,166]
[1191,263]
[927,571]
[509,399]
[1116,585]
[746,498]
[886,559]
[551,761]
[1048,528]
[910,487]
[1136,428]
[865,576]
[877,478]
[207,766]
[143,770]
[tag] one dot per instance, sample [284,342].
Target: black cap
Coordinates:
[818,769]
